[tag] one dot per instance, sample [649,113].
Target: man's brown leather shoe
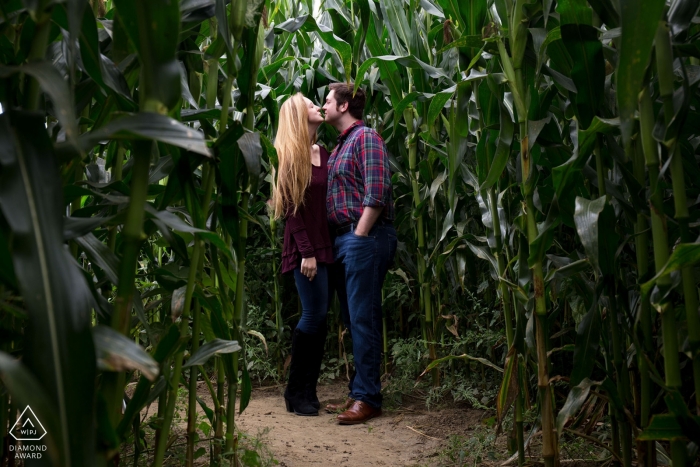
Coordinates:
[360,412]
[337,408]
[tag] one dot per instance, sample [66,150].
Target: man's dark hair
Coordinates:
[343,94]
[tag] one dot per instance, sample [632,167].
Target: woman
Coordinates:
[300,197]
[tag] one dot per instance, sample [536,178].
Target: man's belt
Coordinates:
[350,227]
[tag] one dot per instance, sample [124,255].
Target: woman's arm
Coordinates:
[297,227]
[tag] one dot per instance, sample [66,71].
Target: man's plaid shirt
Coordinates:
[358,176]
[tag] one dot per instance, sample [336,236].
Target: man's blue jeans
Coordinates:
[361,263]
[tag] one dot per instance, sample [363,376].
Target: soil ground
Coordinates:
[406,436]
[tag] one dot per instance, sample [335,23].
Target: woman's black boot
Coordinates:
[319,344]
[295,396]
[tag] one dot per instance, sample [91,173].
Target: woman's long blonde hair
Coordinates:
[293,145]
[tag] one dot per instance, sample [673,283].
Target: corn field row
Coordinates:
[547,147]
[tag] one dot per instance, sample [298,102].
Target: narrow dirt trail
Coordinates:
[319,441]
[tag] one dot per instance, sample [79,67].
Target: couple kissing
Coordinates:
[339,238]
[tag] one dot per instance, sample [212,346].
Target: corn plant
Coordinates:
[543,151]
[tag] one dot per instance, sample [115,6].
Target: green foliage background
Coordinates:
[545,170]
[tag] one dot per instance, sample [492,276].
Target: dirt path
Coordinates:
[319,441]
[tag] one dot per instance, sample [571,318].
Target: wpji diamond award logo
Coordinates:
[28,428]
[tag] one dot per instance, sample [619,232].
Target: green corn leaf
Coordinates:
[500,159]
[438,361]
[58,348]
[97,66]
[605,9]
[452,9]
[215,347]
[586,217]
[437,104]
[101,255]
[246,390]
[681,14]
[252,151]
[144,126]
[640,19]
[167,345]
[684,255]
[205,408]
[476,42]
[584,143]
[394,14]
[509,386]
[389,72]
[577,396]
[587,344]
[408,61]
[116,352]
[586,51]
[308,23]
[224,34]
[665,427]
[154,29]
[53,84]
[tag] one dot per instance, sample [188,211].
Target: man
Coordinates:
[360,215]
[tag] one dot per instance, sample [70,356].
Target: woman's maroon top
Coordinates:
[306,232]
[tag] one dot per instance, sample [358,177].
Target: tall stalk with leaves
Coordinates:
[553,141]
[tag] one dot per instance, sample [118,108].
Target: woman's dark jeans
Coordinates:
[314,299]
[361,263]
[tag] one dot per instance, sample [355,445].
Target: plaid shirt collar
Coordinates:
[344,135]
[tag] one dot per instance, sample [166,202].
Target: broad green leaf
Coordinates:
[586,52]
[431,8]
[584,143]
[116,352]
[437,104]
[586,216]
[451,9]
[393,12]
[408,61]
[545,234]
[388,70]
[154,29]
[639,19]
[251,149]
[97,66]
[684,255]
[174,222]
[437,362]
[246,390]
[606,11]
[144,126]
[101,255]
[222,26]
[308,24]
[476,41]
[587,343]
[166,347]
[509,385]
[215,347]
[577,396]
[664,427]
[205,408]
[58,347]
[681,14]
[500,159]
[53,84]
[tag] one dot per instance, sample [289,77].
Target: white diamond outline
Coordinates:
[12,432]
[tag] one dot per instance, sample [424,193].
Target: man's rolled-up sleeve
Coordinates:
[374,165]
